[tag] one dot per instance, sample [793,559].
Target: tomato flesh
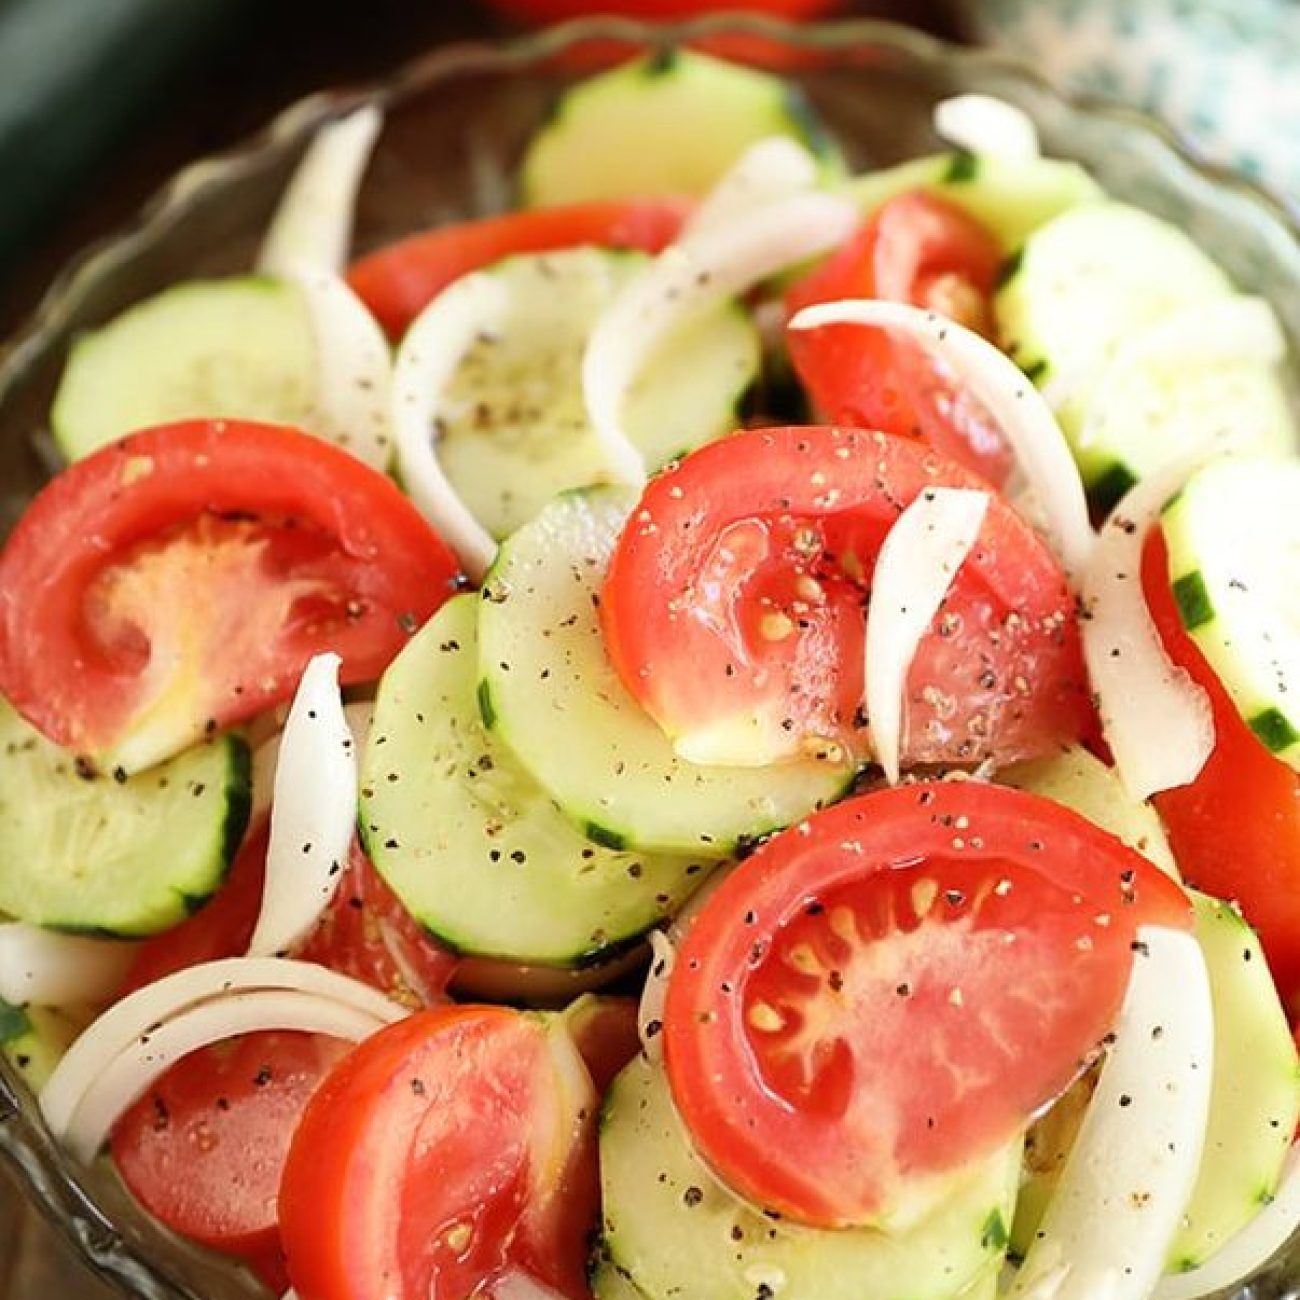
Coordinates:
[604,1030]
[399,281]
[1235,829]
[925,251]
[444,1151]
[178,582]
[894,988]
[734,606]
[557,11]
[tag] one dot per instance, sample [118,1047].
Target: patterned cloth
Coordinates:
[1224,72]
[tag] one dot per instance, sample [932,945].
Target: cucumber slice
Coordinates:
[669,123]
[468,840]
[127,856]
[1009,197]
[608,1282]
[1085,784]
[34,1039]
[675,1231]
[1174,385]
[515,430]
[547,690]
[1254,1100]
[1085,282]
[1233,536]
[240,348]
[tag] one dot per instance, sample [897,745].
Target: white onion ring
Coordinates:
[472,308]
[313,223]
[987,126]
[686,278]
[354,372]
[54,970]
[650,1011]
[1133,1167]
[1248,1250]
[1024,417]
[771,169]
[1157,720]
[916,566]
[148,1007]
[313,812]
[125,1079]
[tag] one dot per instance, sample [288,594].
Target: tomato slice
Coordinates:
[1235,830]
[892,989]
[204,1148]
[399,281]
[443,1151]
[558,11]
[733,606]
[922,250]
[178,581]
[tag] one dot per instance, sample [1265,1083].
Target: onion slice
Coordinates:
[993,378]
[1127,1181]
[154,1004]
[916,566]
[313,223]
[57,970]
[689,277]
[313,812]
[126,1078]
[266,757]
[1157,720]
[771,169]
[1248,1250]
[354,372]
[650,1012]
[472,308]
[987,126]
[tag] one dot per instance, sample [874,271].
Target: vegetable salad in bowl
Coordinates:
[725,730]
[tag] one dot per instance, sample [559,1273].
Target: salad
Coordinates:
[728,733]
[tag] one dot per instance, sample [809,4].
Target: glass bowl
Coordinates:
[456,123]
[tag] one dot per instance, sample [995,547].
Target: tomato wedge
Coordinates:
[1235,830]
[398,281]
[733,607]
[892,989]
[922,250]
[444,1151]
[178,581]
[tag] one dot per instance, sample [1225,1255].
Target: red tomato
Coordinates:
[179,580]
[557,11]
[204,1148]
[446,1149]
[604,1030]
[734,602]
[925,251]
[895,987]
[398,281]
[1235,830]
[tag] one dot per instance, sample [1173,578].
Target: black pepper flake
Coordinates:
[262,1077]
[692,1196]
[417,1087]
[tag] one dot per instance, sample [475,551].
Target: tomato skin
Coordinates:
[417,1169]
[397,282]
[203,1149]
[724,542]
[922,250]
[1235,829]
[558,11]
[604,1030]
[814,1043]
[240,548]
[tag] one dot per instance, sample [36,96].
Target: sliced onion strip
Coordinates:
[127,1077]
[1130,1175]
[771,169]
[1248,1250]
[1024,417]
[1157,720]
[987,126]
[113,1032]
[313,223]
[354,372]
[650,1012]
[916,566]
[472,308]
[57,970]
[686,278]
[313,812]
